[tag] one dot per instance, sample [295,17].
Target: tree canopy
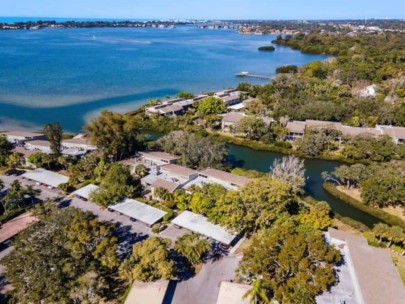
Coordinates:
[66,257]
[195,151]
[298,264]
[210,105]
[115,134]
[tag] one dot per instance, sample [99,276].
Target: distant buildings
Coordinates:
[20,137]
[296,129]
[178,106]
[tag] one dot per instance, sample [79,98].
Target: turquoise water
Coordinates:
[69,75]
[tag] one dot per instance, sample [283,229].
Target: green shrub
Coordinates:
[377,213]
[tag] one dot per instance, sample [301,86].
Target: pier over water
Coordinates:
[247,74]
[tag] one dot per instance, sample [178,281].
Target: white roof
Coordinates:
[237,106]
[232,293]
[86,190]
[198,223]
[139,211]
[147,293]
[46,177]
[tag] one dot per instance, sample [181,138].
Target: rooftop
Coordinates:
[46,177]
[373,268]
[177,170]
[225,176]
[39,143]
[232,293]
[233,117]
[199,224]
[85,191]
[159,155]
[165,184]
[16,225]
[24,134]
[147,293]
[139,211]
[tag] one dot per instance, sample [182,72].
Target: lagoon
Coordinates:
[69,75]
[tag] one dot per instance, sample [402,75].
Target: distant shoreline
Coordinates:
[45,24]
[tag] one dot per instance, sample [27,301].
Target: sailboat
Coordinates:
[94,37]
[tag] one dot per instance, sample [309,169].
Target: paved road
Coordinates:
[204,287]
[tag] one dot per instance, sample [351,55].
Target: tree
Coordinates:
[117,184]
[385,186]
[17,196]
[290,169]
[253,127]
[55,134]
[141,170]
[185,95]
[318,140]
[5,149]
[150,260]
[58,259]
[14,160]
[210,105]
[256,292]
[195,151]
[296,261]
[259,203]
[115,134]
[192,246]
[392,234]
[317,217]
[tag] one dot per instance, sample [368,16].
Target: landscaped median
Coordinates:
[379,214]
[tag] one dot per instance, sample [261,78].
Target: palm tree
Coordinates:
[257,292]
[192,246]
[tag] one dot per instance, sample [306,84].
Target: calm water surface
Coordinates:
[69,75]
[262,160]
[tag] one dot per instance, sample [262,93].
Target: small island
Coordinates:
[268,48]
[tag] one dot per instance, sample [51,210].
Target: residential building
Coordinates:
[213,176]
[296,130]
[200,224]
[230,120]
[157,158]
[43,146]
[229,97]
[147,293]
[233,293]
[367,274]
[20,137]
[396,133]
[80,143]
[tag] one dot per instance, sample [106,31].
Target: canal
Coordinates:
[262,160]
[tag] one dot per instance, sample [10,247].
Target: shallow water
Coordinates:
[69,75]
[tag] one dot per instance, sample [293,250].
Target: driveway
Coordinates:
[204,287]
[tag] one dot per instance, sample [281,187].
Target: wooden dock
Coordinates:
[246,74]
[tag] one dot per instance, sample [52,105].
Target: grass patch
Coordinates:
[245,245]
[400,264]
[377,213]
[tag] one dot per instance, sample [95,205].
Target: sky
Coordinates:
[205,9]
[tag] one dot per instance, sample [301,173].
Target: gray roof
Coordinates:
[225,176]
[46,177]
[85,191]
[376,274]
[200,224]
[139,211]
[159,155]
[233,117]
[296,126]
[165,184]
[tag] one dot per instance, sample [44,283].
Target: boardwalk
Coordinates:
[246,74]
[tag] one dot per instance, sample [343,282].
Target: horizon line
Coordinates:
[215,19]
